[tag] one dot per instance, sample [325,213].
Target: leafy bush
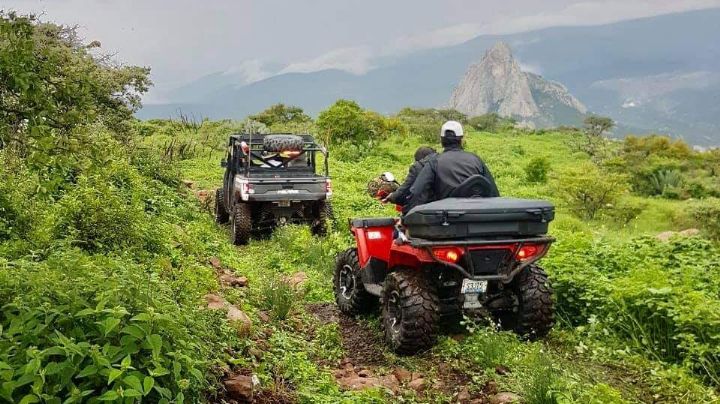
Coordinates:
[279,297]
[658,298]
[706,215]
[426,123]
[587,191]
[537,169]
[626,210]
[281,114]
[664,181]
[345,123]
[491,122]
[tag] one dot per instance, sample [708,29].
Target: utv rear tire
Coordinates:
[241,225]
[221,214]
[535,315]
[279,143]
[350,293]
[410,312]
[324,219]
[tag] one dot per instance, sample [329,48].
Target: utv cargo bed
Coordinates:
[457,218]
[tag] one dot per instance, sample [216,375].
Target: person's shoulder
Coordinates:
[427,158]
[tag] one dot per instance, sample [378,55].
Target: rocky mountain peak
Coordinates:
[500,52]
[498,84]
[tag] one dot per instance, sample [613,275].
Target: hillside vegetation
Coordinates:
[107,258]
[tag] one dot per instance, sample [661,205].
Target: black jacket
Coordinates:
[444,173]
[400,195]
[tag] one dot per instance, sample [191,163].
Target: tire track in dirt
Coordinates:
[366,357]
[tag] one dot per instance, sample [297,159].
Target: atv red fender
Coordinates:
[462,261]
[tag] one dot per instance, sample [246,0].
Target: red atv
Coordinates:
[475,254]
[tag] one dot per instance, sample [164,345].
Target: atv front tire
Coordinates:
[280,143]
[410,311]
[534,315]
[241,225]
[221,214]
[323,220]
[350,293]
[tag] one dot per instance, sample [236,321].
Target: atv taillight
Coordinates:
[529,251]
[447,254]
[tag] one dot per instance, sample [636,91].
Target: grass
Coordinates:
[549,371]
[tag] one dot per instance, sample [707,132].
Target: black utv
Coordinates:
[271,180]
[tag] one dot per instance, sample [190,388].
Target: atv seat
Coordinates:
[476,186]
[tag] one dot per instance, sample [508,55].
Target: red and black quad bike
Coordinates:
[475,254]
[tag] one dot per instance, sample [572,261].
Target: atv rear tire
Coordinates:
[241,225]
[221,214]
[534,315]
[324,219]
[410,311]
[279,143]
[350,293]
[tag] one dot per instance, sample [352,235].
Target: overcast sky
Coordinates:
[185,39]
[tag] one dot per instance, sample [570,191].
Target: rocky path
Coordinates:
[368,364]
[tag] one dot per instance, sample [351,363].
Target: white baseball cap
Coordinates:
[452,126]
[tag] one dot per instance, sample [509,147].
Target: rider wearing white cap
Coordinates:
[449,169]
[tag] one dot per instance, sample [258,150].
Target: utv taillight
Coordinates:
[328,187]
[447,254]
[529,251]
[245,190]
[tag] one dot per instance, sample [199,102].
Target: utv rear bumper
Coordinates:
[283,197]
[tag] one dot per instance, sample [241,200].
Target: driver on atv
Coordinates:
[400,196]
[444,173]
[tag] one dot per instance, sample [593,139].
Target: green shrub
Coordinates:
[663,182]
[279,297]
[626,210]
[281,114]
[491,122]
[536,170]
[587,191]
[706,215]
[345,121]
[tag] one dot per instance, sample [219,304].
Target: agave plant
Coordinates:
[662,180]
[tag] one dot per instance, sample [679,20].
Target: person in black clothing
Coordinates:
[442,174]
[400,195]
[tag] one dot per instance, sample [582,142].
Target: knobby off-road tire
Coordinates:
[279,143]
[535,314]
[324,219]
[410,311]
[350,293]
[221,214]
[241,224]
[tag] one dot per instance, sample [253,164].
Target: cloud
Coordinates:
[357,60]
[249,71]
[446,36]
[595,13]
[361,59]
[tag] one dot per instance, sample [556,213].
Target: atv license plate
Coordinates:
[471,286]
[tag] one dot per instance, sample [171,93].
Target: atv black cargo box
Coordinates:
[479,217]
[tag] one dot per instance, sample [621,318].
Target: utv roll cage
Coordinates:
[243,149]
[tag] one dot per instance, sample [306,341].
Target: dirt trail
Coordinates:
[366,357]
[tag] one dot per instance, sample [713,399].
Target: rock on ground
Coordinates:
[505,398]
[240,388]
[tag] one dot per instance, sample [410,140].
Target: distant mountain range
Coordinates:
[659,74]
